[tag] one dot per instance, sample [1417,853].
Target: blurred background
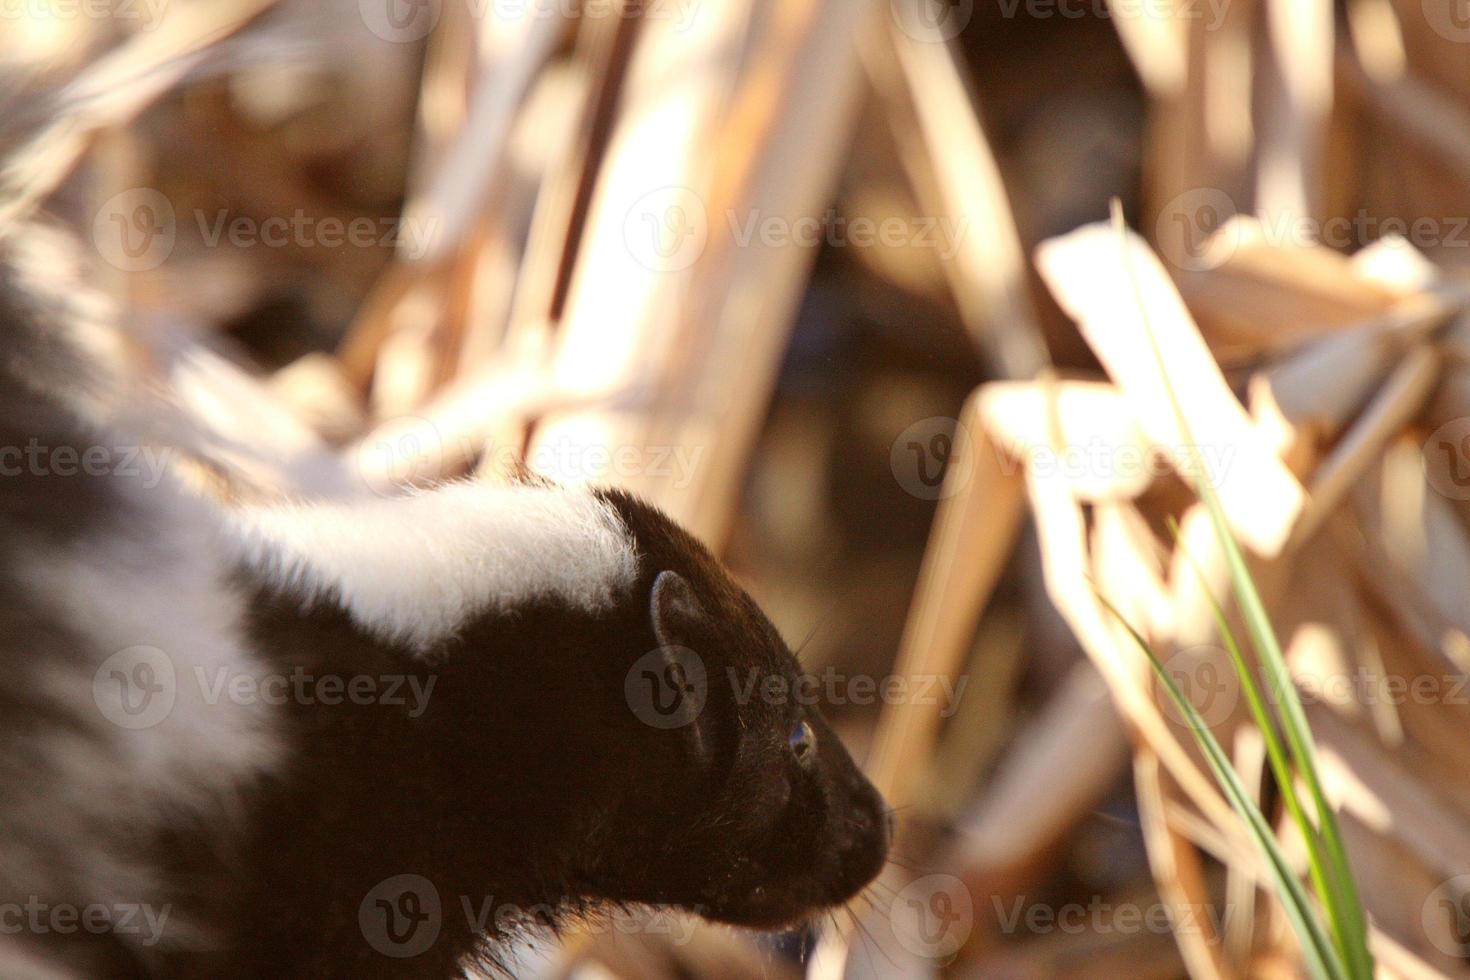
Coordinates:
[809,275]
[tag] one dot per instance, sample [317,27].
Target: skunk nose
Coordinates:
[863,848]
[867,823]
[873,816]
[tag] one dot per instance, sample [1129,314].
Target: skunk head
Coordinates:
[609,718]
[757,815]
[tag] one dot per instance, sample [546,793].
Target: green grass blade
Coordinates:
[1341,895]
[1320,954]
[1338,890]
[1319,862]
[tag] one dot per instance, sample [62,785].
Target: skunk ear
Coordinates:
[675,613]
[674,610]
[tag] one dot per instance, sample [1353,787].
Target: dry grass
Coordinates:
[576,276]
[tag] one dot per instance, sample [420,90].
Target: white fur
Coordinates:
[415,569]
[153,569]
[161,581]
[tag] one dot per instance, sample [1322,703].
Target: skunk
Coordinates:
[372,737]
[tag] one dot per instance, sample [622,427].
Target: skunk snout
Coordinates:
[861,842]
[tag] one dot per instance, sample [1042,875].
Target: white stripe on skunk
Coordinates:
[415,569]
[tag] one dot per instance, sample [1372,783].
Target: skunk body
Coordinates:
[376,737]
[106,582]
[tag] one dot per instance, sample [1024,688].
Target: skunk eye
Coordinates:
[803,742]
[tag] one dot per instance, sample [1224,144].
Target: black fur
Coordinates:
[42,514]
[526,791]
[531,790]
